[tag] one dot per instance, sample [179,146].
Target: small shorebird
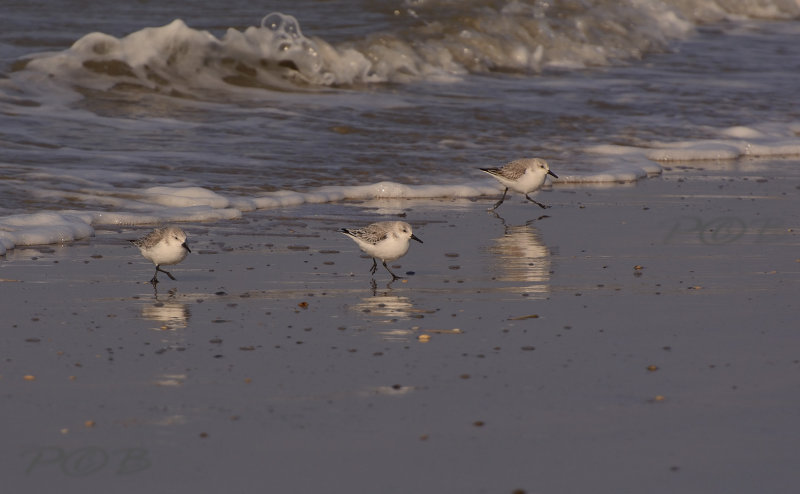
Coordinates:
[163,246]
[524,176]
[384,240]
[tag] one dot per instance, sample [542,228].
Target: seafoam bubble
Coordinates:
[392,190]
[786,148]
[200,213]
[185,197]
[761,140]
[741,132]
[724,149]
[697,151]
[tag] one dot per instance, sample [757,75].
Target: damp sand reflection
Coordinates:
[384,307]
[520,256]
[167,311]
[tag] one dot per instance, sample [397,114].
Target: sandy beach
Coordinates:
[632,338]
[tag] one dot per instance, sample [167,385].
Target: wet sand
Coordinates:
[638,337]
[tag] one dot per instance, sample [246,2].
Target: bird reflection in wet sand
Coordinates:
[386,309]
[169,312]
[385,306]
[521,256]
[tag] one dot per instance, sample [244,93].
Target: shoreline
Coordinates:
[651,320]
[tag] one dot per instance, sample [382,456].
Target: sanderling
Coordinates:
[384,240]
[524,176]
[163,246]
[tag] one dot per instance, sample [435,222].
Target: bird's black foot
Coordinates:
[498,203]
[158,268]
[394,276]
[543,206]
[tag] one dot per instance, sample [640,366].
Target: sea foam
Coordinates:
[165,204]
[119,199]
[431,40]
[177,59]
[44,228]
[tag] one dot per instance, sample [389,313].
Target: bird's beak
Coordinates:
[414,237]
[186,246]
[551,173]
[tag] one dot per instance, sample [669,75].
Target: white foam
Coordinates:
[718,10]
[170,215]
[765,140]
[43,228]
[768,140]
[278,55]
[436,46]
[166,204]
[696,151]
[124,198]
[741,132]
[185,197]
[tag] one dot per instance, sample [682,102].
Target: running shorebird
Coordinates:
[524,176]
[163,246]
[384,240]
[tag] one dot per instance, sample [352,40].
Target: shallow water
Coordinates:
[132,118]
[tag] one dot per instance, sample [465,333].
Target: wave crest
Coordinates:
[429,40]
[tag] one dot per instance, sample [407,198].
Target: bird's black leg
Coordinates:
[543,206]
[158,268]
[154,280]
[374,266]
[501,199]
[394,276]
